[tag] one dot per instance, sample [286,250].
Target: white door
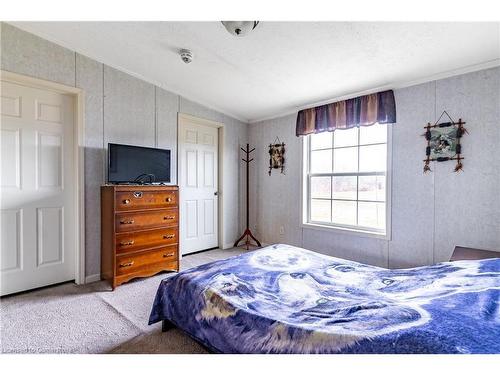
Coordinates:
[198,184]
[37,188]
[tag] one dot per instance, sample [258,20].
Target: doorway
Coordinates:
[41,177]
[199,183]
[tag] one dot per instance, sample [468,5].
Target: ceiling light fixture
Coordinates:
[239,28]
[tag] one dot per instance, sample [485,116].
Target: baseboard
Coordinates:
[227,246]
[92,278]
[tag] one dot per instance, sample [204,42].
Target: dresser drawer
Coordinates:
[133,241]
[131,221]
[126,264]
[139,199]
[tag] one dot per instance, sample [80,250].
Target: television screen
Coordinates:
[137,164]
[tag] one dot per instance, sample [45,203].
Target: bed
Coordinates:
[284,299]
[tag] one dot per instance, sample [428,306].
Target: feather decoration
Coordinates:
[459,166]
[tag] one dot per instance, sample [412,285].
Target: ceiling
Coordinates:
[280,66]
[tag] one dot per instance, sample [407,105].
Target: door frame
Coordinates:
[220,168]
[78,96]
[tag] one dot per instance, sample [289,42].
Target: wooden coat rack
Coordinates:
[247,233]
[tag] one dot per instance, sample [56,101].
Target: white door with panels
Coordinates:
[37,188]
[198,185]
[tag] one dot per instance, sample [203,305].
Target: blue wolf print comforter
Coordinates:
[284,299]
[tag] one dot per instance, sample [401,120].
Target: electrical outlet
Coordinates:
[282,229]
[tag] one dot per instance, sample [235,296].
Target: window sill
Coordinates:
[347,231]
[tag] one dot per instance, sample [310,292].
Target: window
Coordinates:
[345,179]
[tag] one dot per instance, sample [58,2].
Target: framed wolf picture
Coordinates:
[443,142]
[277,157]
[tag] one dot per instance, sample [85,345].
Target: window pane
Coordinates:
[372,158]
[321,140]
[372,188]
[335,199]
[345,160]
[371,215]
[373,134]
[320,210]
[344,187]
[321,187]
[344,212]
[345,137]
[321,161]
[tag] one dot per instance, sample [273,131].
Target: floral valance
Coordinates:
[361,111]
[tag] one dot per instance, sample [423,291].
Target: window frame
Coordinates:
[340,228]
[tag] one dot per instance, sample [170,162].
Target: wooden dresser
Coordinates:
[139,231]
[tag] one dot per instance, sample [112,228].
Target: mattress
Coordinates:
[284,299]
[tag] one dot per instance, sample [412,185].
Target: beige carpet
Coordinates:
[93,319]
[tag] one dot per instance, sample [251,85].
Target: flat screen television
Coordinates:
[135,164]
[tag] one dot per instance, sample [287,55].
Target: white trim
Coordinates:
[39,83]
[345,230]
[388,185]
[352,230]
[92,278]
[200,121]
[220,189]
[79,149]
[395,85]
[220,171]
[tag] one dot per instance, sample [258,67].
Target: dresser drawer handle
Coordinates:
[168,217]
[168,236]
[122,265]
[138,194]
[127,221]
[168,199]
[168,255]
[126,201]
[128,243]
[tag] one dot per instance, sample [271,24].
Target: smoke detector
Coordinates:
[239,28]
[186,55]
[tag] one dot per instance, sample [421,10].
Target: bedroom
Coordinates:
[156,150]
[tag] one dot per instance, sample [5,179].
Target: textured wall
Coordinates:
[167,106]
[431,213]
[129,109]
[412,191]
[89,77]
[123,109]
[28,54]
[275,200]
[473,196]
